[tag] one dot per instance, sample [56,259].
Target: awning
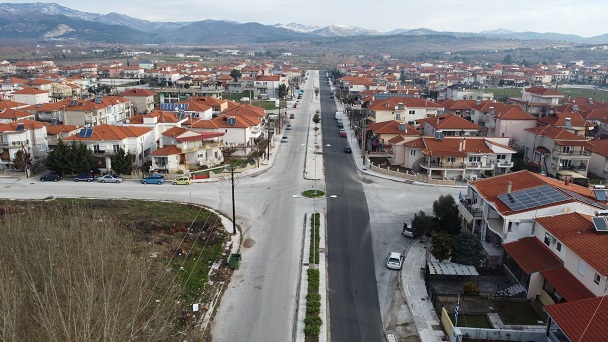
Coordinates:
[532,255]
[452,269]
[567,284]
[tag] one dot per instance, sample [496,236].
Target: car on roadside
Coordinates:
[184,180]
[394,261]
[51,177]
[343,133]
[292,116]
[347,149]
[110,179]
[284,139]
[85,177]
[153,179]
[340,124]
[288,127]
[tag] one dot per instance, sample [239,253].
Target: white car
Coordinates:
[288,127]
[284,139]
[395,261]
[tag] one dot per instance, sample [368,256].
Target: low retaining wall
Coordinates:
[395,173]
[496,335]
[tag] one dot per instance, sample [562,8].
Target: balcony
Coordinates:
[573,154]
[469,211]
[429,164]
[478,166]
[504,164]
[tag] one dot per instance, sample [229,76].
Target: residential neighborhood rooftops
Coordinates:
[582,320]
[450,122]
[111,132]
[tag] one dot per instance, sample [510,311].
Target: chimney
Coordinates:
[460,148]
[567,181]
[478,102]
[464,143]
[509,185]
[491,110]
[437,121]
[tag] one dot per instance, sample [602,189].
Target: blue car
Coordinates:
[153,179]
[86,176]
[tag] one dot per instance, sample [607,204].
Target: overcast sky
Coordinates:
[581,17]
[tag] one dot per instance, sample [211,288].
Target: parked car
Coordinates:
[292,116]
[347,149]
[110,179]
[395,261]
[85,176]
[288,127]
[342,133]
[284,139]
[340,124]
[408,231]
[51,177]
[184,180]
[153,179]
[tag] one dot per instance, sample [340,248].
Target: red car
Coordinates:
[343,133]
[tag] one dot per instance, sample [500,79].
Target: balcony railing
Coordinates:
[505,163]
[573,154]
[474,210]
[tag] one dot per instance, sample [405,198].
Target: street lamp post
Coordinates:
[231,169]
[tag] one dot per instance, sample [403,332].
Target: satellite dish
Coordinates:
[127,121]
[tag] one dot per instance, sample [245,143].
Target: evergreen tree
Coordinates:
[467,249]
[422,224]
[446,214]
[81,158]
[122,162]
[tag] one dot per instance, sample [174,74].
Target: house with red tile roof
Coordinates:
[572,122]
[352,85]
[240,131]
[502,209]
[24,135]
[183,149]
[30,96]
[382,133]
[445,159]
[449,125]
[59,131]
[267,86]
[105,140]
[581,320]
[8,104]
[556,152]
[142,99]
[598,163]
[11,115]
[461,91]
[405,109]
[510,122]
[537,100]
[462,108]
[95,112]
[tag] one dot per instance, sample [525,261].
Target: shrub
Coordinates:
[470,288]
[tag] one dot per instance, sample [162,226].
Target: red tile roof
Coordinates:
[567,284]
[576,232]
[10,104]
[392,127]
[451,146]
[167,151]
[28,124]
[137,92]
[491,188]
[600,147]
[582,320]
[54,130]
[450,122]
[532,255]
[556,133]
[514,114]
[408,102]
[29,91]
[112,133]
[559,119]
[14,114]
[542,91]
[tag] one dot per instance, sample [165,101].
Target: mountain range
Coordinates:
[39,22]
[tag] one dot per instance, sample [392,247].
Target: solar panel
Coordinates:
[600,224]
[584,199]
[53,121]
[89,132]
[74,102]
[82,133]
[532,198]
[600,195]
[38,105]
[98,99]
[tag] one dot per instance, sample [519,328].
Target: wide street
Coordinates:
[364,223]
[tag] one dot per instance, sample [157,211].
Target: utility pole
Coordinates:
[231,169]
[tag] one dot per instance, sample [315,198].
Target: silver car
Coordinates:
[110,179]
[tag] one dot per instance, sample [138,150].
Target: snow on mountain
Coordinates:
[497,32]
[343,30]
[297,27]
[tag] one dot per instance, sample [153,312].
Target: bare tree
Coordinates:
[79,276]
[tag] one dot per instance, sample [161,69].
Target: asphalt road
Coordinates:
[353,296]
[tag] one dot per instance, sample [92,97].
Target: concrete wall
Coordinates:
[496,335]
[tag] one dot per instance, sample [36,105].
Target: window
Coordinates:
[115,148]
[412,152]
[566,149]
[412,112]
[559,247]
[596,278]
[501,156]
[475,159]
[450,159]
[581,267]
[96,148]
[397,116]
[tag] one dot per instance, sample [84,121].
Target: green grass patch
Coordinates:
[474,321]
[315,238]
[516,312]
[313,193]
